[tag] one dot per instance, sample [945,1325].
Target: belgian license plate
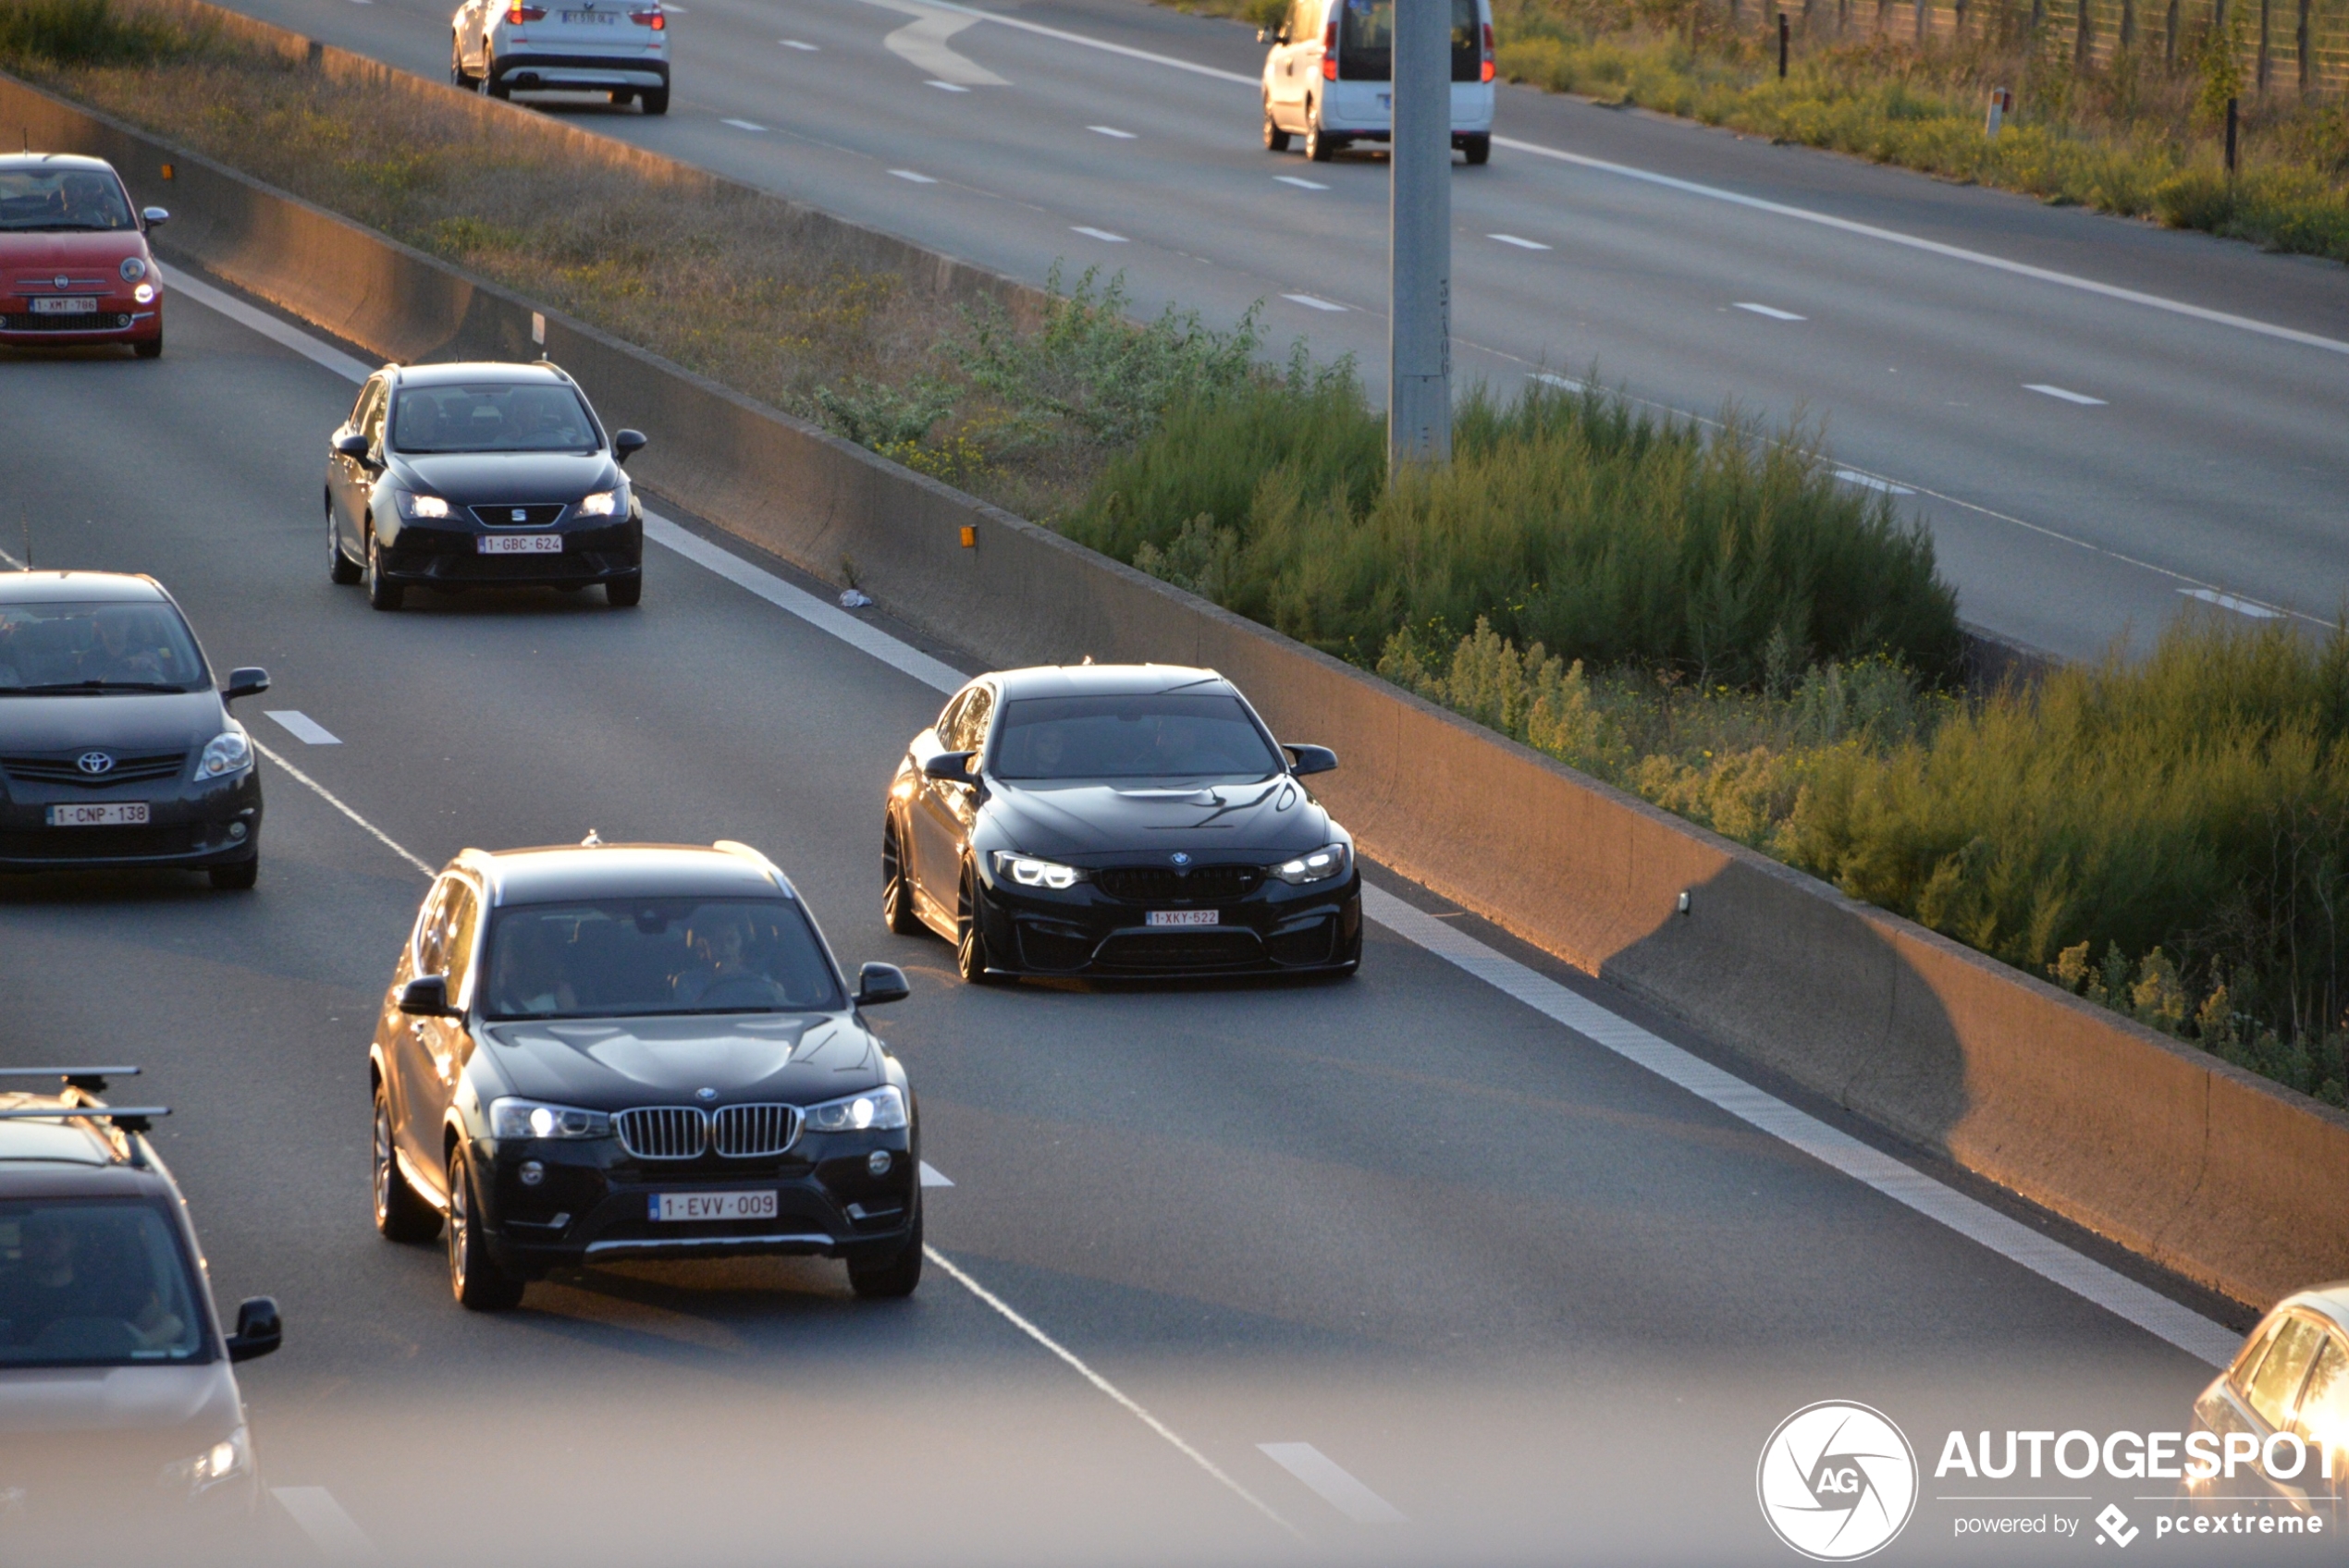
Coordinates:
[70,307]
[1184,917]
[121,814]
[590,19]
[668,1206]
[521,545]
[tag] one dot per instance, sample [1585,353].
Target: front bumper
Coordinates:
[425,556]
[190,825]
[116,321]
[593,1204]
[1272,927]
[531,72]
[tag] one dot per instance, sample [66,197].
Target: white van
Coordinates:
[1329,76]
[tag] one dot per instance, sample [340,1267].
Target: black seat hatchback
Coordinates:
[115,750]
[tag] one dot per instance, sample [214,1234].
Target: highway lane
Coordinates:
[1490,1269]
[2204,457]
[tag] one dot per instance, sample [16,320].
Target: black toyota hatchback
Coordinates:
[462,475]
[636,1052]
[115,750]
[1117,819]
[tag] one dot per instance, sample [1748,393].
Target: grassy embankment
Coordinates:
[1709,621]
[2137,135]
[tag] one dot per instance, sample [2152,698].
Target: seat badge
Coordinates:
[520,516]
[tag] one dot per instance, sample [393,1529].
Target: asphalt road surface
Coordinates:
[2085,460]
[1517,1297]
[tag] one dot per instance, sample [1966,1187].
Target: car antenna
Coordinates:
[594,840]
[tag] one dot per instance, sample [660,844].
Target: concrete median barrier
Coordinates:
[2229,1179]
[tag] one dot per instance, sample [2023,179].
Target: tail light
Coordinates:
[518,12]
[1488,54]
[655,18]
[1329,52]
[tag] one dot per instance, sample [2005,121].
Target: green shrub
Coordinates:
[83,33]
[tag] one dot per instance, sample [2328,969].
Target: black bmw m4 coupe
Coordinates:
[1117,820]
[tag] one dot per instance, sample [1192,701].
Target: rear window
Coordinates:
[63,198]
[624,957]
[94,1282]
[1169,736]
[1366,41]
[139,646]
[491,417]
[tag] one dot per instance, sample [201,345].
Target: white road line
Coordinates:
[303,728]
[1337,1488]
[933,1177]
[790,43]
[826,618]
[332,1531]
[922,43]
[744,125]
[1561,382]
[1300,182]
[335,800]
[1771,310]
[1870,482]
[2080,397]
[1110,130]
[947,86]
[1101,234]
[1315,302]
[2250,608]
[1106,1387]
[916,178]
[2050,1259]
[269,327]
[1103,45]
[1518,241]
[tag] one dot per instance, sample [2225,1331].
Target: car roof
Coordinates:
[52,161]
[70,587]
[503,372]
[67,1158]
[2326,1301]
[1106,681]
[553,873]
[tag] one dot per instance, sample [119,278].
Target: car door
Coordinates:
[470,32]
[347,478]
[1294,60]
[942,806]
[416,1124]
[2322,1422]
[443,1046]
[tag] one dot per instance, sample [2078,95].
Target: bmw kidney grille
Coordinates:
[684,1131]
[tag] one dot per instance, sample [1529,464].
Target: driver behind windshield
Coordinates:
[83,1285]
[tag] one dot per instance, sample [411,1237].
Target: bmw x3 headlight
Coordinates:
[231,1456]
[511,1117]
[230,752]
[413,506]
[1330,860]
[603,503]
[1030,872]
[879,1110]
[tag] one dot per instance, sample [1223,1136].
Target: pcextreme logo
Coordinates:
[1836,1481]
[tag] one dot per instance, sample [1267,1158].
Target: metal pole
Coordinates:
[1782,31]
[1419,417]
[2232,123]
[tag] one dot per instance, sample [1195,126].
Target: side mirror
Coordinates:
[626,444]
[155,217]
[878,983]
[352,446]
[248,682]
[259,1329]
[1310,759]
[951,766]
[426,997]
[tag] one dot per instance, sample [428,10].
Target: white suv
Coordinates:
[615,46]
[1330,75]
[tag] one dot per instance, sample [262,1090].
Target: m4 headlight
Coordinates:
[414,507]
[1027,871]
[229,1458]
[1330,860]
[229,752]
[603,503]
[512,1118]
[878,1110]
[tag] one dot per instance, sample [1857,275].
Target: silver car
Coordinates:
[618,48]
[2291,1379]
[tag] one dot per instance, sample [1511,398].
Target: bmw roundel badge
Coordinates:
[705,1096]
[1179,858]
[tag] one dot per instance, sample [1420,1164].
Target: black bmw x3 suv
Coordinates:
[637,1051]
[464,475]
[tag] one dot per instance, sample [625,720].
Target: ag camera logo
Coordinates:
[1838,1481]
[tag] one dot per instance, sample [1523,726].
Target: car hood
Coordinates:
[200,1400]
[614,1063]
[40,256]
[495,478]
[125,720]
[1089,824]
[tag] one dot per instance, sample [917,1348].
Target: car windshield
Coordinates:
[613,957]
[491,417]
[59,199]
[140,646]
[94,1282]
[1171,735]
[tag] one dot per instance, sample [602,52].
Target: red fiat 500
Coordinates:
[74,265]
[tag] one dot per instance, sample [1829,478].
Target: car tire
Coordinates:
[655,100]
[491,82]
[150,349]
[1479,150]
[1320,146]
[402,1214]
[474,1278]
[624,593]
[237,878]
[383,594]
[970,935]
[622,96]
[897,894]
[894,1277]
[1276,139]
[341,571]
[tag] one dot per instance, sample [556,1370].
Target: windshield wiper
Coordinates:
[98,686]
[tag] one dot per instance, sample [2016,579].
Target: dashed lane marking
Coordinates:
[1518,241]
[303,727]
[933,1177]
[1870,482]
[916,178]
[1315,302]
[1300,182]
[947,86]
[792,43]
[1112,130]
[744,125]
[336,1534]
[2064,394]
[2250,608]
[1101,234]
[1337,1488]
[1562,382]
[1771,310]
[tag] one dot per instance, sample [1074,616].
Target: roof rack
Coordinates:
[89,1080]
[126,1118]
